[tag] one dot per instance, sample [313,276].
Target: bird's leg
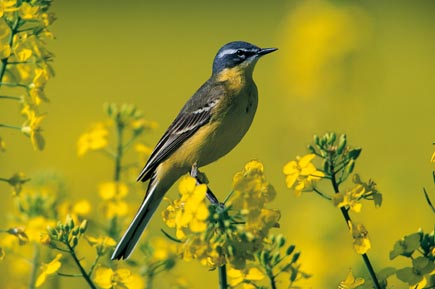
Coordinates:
[201,178]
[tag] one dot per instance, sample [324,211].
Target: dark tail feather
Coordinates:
[131,237]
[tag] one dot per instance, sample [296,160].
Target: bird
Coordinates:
[209,125]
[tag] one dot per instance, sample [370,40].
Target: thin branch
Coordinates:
[79,265]
[348,221]
[69,275]
[35,267]
[11,97]
[428,200]
[321,194]
[10,126]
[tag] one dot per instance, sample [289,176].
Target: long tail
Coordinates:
[131,237]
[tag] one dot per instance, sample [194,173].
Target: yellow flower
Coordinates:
[20,234]
[350,199]
[330,33]
[252,182]
[2,145]
[33,129]
[191,211]
[107,278]
[351,282]
[37,226]
[81,208]
[94,139]
[245,276]
[48,269]
[5,51]
[115,208]
[361,242]
[302,173]
[143,150]
[28,11]
[101,243]
[16,181]
[7,6]
[162,249]
[112,190]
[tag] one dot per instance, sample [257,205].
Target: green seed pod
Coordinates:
[296,257]
[83,226]
[331,138]
[341,144]
[280,240]
[290,250]
[316,139]
[293,275]
[311,149]
[354,153]
[51,231]
[348,169]
[75,231]
[74,241]
[69,222]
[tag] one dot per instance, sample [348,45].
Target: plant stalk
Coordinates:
[79,265]
[348,220]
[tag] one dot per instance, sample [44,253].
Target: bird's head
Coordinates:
[240,55]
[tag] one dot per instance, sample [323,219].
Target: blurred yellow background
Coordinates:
[364,68]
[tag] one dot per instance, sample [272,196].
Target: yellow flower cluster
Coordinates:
[216,235]
[94,139]
[351,199]
[361,242]
[25,59]
[113,195]
[48,269]
[121,278]
[189,213]
[301,174]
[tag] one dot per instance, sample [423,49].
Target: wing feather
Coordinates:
[194,114]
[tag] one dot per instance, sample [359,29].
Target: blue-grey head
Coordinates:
[238,53]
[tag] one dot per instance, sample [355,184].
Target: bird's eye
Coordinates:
[240,53]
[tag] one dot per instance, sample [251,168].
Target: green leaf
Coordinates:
[354,153]
[386,272]
[377,198]
[423,265]
[341,144]
[406,246]
[409,276]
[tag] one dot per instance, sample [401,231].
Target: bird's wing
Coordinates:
[195,113]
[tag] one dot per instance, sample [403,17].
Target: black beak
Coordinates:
[264,51]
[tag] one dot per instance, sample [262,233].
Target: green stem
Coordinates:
[321,194]
[129,142]
[150,279]
[272,281]
[119,151]
[10,126]
[79,265]
[13,84]
[35,266]
[10,97]
[348,221]
[222,270]
[91,270]
[4,61]
[69,275]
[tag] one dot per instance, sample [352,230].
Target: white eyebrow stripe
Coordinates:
[227,51]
